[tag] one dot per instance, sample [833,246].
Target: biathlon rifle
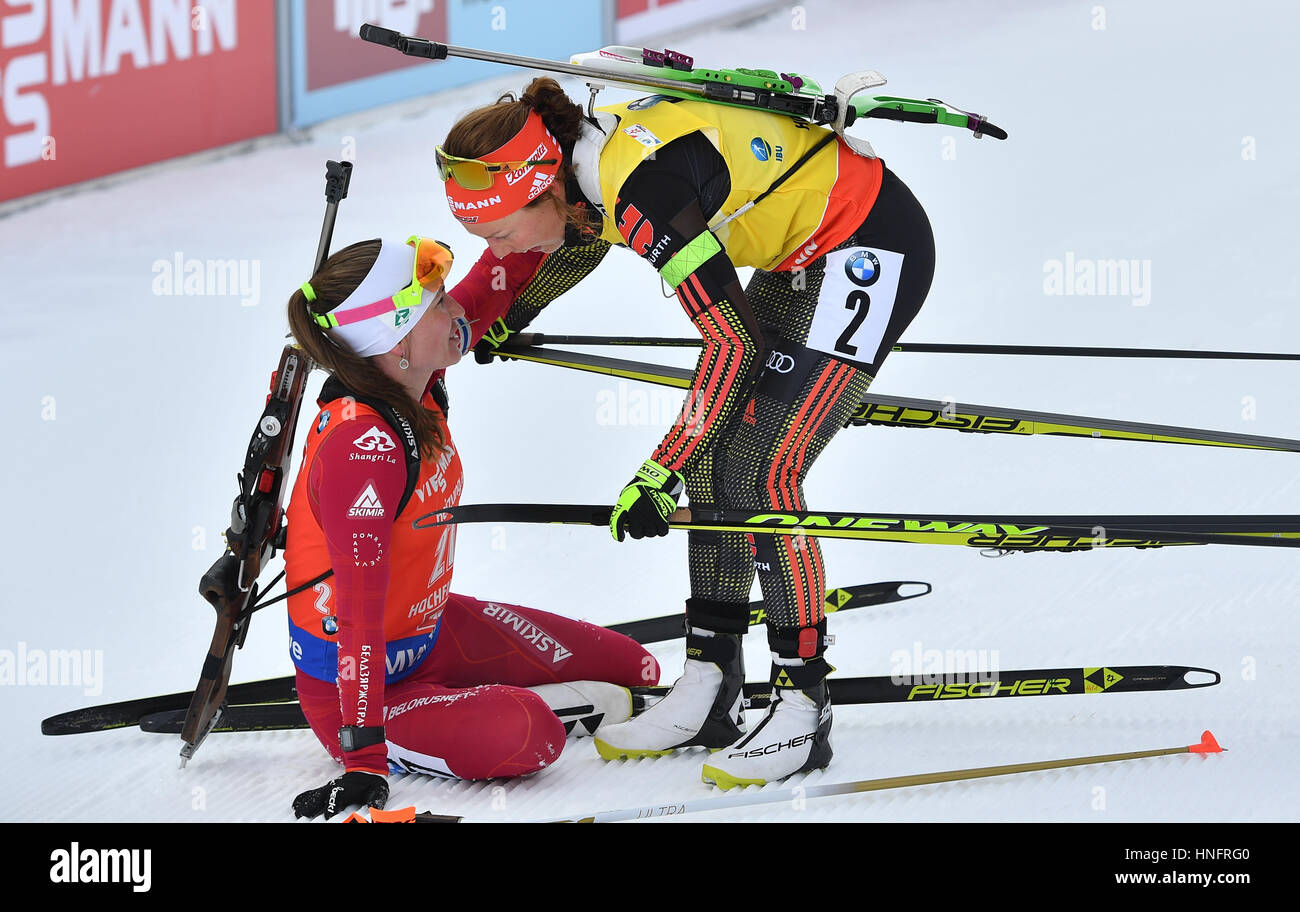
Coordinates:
[257,516]
[675,74]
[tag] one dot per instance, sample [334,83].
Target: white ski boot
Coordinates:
[794,737]
[703,709]
[585,706]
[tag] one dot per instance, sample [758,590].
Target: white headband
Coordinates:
[392,271]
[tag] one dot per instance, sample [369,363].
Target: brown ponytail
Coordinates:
[492,126]
[341,274]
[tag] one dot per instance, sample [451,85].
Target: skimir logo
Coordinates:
[530,632]
[367,504]
[75,865]
[862,268]
[374,439]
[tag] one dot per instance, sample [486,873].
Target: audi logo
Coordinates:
[780,362]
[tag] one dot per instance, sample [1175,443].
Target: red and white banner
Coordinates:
[337,55]
[636,20]
[90,87]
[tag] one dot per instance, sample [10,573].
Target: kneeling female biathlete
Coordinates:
[393,669]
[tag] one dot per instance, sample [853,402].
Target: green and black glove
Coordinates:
[496,334]
[646,503]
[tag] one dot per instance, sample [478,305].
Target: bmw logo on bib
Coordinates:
[862,268]
[762,151]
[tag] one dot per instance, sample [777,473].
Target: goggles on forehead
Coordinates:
[475,173]
[432,265]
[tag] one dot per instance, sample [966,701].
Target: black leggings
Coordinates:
[799,402]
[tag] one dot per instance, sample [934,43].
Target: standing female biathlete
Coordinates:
[843,258]
[392,667]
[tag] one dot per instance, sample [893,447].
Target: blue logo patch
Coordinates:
[862,267]
[759,146]
[324,420]
[462,327]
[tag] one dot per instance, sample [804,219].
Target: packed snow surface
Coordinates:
[1144,133]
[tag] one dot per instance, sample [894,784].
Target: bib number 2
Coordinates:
[856,302]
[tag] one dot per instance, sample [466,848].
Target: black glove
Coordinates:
[496,334]
[364,789]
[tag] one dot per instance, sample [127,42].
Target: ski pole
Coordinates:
[900,411]
[540,340]
[746,798]
[999,533]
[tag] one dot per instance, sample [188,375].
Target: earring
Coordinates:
[403,363]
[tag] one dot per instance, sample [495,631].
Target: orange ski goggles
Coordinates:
[431,267]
